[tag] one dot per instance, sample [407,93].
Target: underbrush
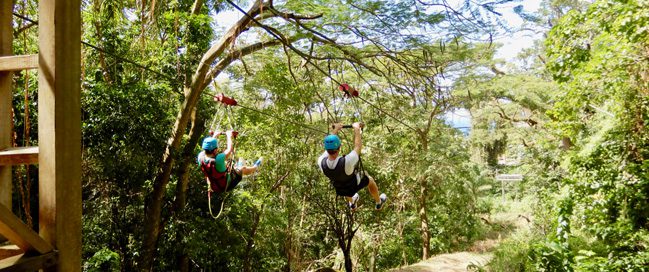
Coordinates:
[558,240]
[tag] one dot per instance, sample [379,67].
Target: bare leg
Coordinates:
[349,199]
[373,189]
[247,170]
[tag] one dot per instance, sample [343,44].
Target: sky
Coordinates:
[513,44]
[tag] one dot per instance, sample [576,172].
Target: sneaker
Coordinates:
[258,162]
[240,163]
[352,205]
[384,199]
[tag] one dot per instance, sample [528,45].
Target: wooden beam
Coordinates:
[19,155]
[7,251]
[23,263]
[17,63]
[20,234]
[6,40]
[59,129]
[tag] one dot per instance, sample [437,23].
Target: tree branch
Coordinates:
[238,54]
[503,115]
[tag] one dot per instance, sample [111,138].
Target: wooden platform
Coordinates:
[19,155]
[25,263]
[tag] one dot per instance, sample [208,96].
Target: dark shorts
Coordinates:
[235,178]
[234,181]
[353,187]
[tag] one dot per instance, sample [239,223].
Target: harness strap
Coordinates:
[228,177]
[224,193]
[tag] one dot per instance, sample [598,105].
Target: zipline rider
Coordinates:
[221,176]
[343,171]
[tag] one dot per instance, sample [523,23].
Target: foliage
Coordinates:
[513,254]
[593,53]
[103,260]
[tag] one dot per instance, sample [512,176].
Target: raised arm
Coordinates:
[358,143]
[228,149]
[336,128]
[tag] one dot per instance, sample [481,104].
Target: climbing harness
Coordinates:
[215,130]
[228,176]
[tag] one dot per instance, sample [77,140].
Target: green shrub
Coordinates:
[512,255]
[103,260]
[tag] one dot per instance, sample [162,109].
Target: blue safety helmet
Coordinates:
[331,142]
[210,143]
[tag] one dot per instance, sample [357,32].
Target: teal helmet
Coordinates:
[331,142]
[210,143]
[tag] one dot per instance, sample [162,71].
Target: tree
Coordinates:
[603,110]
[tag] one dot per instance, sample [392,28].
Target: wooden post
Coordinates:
[59,129]
[6,39]
[502,188]
[507,177]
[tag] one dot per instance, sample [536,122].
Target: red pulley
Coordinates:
[225,100]
[349,91]
[213,134]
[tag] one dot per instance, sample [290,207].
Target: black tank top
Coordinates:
[337,176]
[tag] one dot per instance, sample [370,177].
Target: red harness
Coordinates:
[218,180]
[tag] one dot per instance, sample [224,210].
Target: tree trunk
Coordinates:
[401,224]
[423,216]
[348,259]
[247,265]
[198,126]
[350,232]
[195,133]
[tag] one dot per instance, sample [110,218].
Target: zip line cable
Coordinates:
[171,79]
[167,77]
[267,29]
[282,119]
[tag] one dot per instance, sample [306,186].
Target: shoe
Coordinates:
[352,205]
[240,163]
[258,162]
[384,199]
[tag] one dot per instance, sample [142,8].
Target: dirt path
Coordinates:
[478,255]
[452,262]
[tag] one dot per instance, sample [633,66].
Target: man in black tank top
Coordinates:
[343,172]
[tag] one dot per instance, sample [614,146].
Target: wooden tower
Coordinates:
[57,244]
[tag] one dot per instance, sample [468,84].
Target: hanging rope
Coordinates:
[350,93]
[209,200]
[215,127]
[225,193]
